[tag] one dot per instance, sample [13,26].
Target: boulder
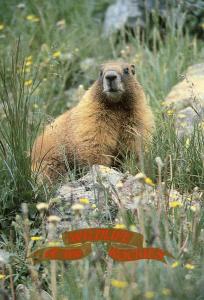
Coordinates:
[186,101]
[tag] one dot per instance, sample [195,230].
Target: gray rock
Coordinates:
[186,100]
[123,12]
[105,190]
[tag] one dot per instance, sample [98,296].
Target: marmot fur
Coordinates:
[99,127]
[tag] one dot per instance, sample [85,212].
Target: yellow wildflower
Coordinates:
[149,181]
[35,106]
[27,70]
[175,204]
[53,219]
[42,205]
[84,200]
[104,169]
[1,26]
[28,63]
[56,54]
[2,276]
[181,116]
[28,82]
[189,266]
[32,18]
[149,295]
[118,283]
[36,238]
[120,226]
[93,205]
[53,244]
[187,143]
[202,25]
[170,112]
[77,206]
[175,264]
[61,24]
[133,228]
[166,292]
[119,184]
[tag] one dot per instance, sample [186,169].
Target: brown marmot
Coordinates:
[111,117]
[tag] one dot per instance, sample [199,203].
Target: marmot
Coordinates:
[99,126]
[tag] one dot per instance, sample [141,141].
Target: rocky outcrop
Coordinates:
[185,102]
[94,199]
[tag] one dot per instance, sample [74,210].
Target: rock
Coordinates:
[23,293]
[123,12]
[130,13]
[94,199]
[186,100]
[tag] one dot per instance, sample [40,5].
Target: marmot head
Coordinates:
[115,79]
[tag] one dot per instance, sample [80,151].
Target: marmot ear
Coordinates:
[132,67]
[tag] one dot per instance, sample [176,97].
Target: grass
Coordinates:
[34,80]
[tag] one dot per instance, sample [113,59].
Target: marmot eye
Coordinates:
[126,71]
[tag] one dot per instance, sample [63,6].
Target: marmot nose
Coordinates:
[110,76]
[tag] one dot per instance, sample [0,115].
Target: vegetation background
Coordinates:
[49,53]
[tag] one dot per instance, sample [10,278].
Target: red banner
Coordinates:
[123,245]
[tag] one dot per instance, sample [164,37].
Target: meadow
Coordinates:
[48,51]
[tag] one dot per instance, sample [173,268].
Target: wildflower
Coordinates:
[119,184]
[104,169]
[166,292]
[53,243]
[133,228]
[84,200]
[149,181]
[56,54]
[27,70]
[1,26]
[181,116]
[175,264]
[118,283]
[140,176]
[35,106]
[76,50]
[28,63]
[175,204]
[170,112]
[42,206]
[77,206]
[28,82]
[149,295]
[194,208]
[187,143]
[36,238]
[120,226]
[20,6]
[93,205]
[189,266]
[53,219]
[61,24]
[32,18]
[2,276]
